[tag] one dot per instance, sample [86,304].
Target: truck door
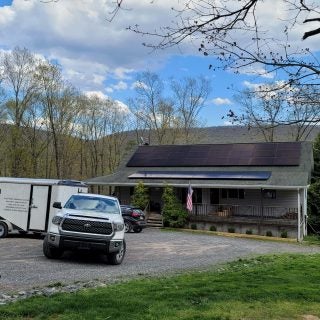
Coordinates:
[39,208]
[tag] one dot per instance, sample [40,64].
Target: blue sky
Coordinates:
[5,2]
[103,57]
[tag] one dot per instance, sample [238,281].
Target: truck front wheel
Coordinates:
[127,226]
[3,229]
[51,252]
[117,257]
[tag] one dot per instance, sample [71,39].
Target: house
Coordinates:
[258,188]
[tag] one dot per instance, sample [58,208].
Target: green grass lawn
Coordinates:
[268,287]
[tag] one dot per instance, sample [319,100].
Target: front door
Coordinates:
[155,199]
[38,208]
[214,196]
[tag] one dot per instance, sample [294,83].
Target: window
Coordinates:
[232,194]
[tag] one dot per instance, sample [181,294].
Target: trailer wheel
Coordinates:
[51,252]
[3,229]
[117,257]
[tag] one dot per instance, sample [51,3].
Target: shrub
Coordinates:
[213,228]
[193,226]
[284,234]
[249,231]
[231,230]
[140,197]
[174,214]
[269,233]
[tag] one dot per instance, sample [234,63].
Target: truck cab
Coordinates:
[87,222]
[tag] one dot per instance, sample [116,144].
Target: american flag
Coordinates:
[189,198]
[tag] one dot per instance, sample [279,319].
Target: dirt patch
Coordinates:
[310,317]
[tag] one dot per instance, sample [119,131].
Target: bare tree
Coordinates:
[277,108]
[61,104]
[303,111]
[104,126]
[117,124]
[169,119]
[92,131]
[235,33]
[260,112]
[35,137]
[18,69]
[190,95]
[152,108]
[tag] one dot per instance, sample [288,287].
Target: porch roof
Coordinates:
[280,176]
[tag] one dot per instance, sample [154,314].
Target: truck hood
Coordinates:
[111,217]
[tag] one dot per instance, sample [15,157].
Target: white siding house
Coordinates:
[248,187]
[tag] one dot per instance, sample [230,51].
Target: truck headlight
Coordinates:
[57,220]
[118,226]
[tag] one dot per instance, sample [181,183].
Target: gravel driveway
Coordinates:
[23,266]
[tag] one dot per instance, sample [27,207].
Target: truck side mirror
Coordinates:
[57,205]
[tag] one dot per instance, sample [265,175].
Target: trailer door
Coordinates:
[39,208]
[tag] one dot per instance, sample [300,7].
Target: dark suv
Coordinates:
[134,218]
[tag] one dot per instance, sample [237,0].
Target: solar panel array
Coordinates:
[201,175]
[206,155]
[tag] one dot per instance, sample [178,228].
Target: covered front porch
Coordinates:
[273,221]
[276,212]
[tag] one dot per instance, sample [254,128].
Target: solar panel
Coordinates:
[202,175]
[251,154]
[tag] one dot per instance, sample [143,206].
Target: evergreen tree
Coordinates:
[314,191]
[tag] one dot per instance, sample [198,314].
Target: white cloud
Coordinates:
[138,84]
[121,85]
[255,71]
[252,86]
[79,37]
[122,107]
[279,85]
[221,101]
[94,53]
[7,15]
[109,90]
[122,73]
[98,94]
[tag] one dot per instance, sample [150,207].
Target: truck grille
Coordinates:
[87,226]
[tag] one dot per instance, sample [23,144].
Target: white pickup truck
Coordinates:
[87,222]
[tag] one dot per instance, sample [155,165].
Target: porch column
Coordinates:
[299,217]
[305,211]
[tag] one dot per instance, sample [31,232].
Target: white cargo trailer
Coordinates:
[26,204]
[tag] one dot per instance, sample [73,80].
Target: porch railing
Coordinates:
[249,211]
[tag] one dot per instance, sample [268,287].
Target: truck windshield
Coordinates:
[78,202]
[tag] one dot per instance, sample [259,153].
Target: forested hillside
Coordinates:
[49,129]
